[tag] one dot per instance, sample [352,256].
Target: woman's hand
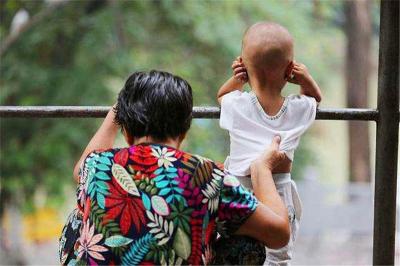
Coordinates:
[271,157]
[269,223]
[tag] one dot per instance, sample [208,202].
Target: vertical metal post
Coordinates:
[387,135]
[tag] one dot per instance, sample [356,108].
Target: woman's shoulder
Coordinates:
[103,157]
[205,160]
[148,158]
[104,153]
[203,169]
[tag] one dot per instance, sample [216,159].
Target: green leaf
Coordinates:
[102,176]
[108,154]
[137,250]
[124,179]
[117,241]
[104,160]
[101,201]
[102,185]
[106,227]
[102,167]
[146,201]
[185,225]
[182,245]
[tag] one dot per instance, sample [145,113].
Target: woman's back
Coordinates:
[152,204]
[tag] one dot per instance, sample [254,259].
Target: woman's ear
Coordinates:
[288,70]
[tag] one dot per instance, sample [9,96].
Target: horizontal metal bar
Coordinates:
[198,112]
[347,114]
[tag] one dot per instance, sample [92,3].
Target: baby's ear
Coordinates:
[241,59]
[288,70]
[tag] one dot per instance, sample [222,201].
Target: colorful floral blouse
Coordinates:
[151,204]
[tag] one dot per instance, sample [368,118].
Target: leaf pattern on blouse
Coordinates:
[151,204]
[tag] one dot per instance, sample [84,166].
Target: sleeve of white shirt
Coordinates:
[227,109]
[302,110]
[307,106]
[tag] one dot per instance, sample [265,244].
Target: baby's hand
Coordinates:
[300,76]
[239,70]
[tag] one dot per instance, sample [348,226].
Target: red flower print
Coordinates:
[144,160]
[139,176]
[210,231]
[196,226]
[121,157]
[178,154]
[129,208]
[147,263]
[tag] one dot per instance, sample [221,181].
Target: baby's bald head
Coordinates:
[267,48]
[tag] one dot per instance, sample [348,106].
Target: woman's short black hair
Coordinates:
[156,104]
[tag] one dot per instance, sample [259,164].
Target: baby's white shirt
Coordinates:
[251,130]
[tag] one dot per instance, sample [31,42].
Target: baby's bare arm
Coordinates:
[236,82]
[308,86]
[230,85]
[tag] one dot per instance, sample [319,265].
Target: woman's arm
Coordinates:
[103,139]
[269,223]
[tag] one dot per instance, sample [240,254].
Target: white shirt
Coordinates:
[251,130]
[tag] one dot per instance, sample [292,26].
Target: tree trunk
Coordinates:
[358,32]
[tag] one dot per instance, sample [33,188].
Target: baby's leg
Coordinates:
[289,195]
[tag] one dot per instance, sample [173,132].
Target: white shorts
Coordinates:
[287,189]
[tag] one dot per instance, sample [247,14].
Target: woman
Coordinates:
[151,203]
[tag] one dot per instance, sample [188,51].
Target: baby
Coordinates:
[254,118]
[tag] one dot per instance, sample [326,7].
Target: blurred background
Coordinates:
[64,52]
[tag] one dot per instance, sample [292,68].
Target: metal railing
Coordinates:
[387,135]
[387,132]
[198,112]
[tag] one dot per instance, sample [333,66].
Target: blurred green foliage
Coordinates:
[82,53]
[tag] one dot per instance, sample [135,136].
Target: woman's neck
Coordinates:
[174,143]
